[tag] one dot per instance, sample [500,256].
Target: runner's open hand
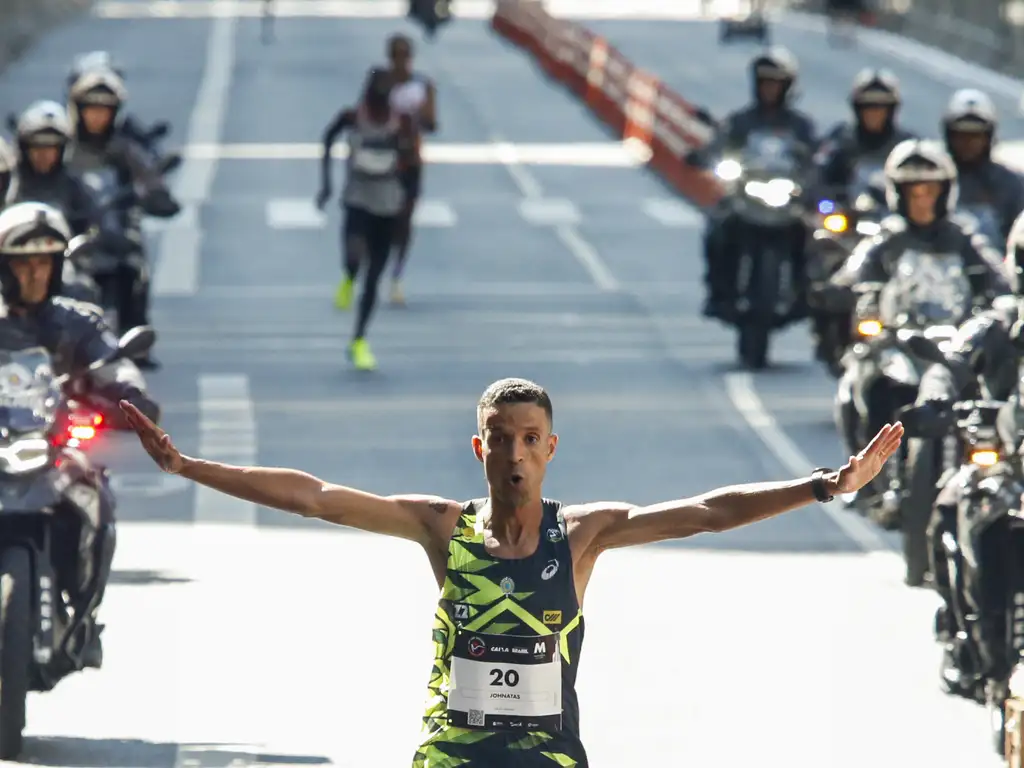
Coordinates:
[862,468]
[156,442]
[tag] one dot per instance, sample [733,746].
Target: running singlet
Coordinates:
[373,182]
[507,638]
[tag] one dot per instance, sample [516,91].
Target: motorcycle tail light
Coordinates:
[82,432]
[869,327]
[836,223]
[985,457]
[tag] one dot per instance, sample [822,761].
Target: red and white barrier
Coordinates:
[635,104]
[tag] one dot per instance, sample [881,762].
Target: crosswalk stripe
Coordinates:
[294,213]
[672,213]
[549,211]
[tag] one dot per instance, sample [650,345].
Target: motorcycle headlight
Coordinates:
[24,455]
[836,223]
[728,170]
[868,228]
[985,457]
[869,328]
[775,193]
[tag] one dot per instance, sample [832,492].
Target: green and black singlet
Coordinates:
[507,637]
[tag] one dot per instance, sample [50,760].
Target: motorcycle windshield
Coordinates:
[767,154]
[29,393]
[985,220]
[926,289]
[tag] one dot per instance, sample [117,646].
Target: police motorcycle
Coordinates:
[95,269]
[836,230]
[764,186]
[985,561]
[49,496]
[928,296]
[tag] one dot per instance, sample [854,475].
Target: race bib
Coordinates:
[505,682]
[375,162]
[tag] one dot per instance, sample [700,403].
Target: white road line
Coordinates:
[227,433]
[549,212]
[672,213]
[294,213]
[434,214]
[582,251]
[397,9]
[741,391]
[605,154]
[177,268]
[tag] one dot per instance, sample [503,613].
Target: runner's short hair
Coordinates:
[508,391]
[398,39]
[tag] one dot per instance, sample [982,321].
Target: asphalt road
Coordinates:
[242,637]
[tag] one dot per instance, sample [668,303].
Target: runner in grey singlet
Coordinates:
[372,181]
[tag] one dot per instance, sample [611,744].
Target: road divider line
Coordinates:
[227,433]
[178,263]
[744,397]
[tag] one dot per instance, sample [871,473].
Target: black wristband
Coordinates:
[818,484]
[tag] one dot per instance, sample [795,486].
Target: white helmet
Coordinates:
[917,160]
[100,86]
[44,122]
[970,110]
[27,228]
[875,87]
[777,63]
[8,159]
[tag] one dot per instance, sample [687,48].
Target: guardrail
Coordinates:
[634,103]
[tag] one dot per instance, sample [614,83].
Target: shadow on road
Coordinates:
[142,577]
[133,753]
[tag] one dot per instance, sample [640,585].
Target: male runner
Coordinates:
[512,569]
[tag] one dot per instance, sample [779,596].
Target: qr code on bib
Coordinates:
[476,717]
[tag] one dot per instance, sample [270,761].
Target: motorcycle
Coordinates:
[928,296]
[837,230]
[44,480]
[766,199]
[42,474]
[985,561]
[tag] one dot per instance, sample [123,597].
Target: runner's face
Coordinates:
[401,58]
[515,445]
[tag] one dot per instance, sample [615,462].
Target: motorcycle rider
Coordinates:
[921,191]
[33,240]
[94,100]
[773,74]
[128,126]
[991,346]
[989,190]
[867,139]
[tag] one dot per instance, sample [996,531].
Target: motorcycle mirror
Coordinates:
[77,247]
[169,163]
[12,122]
[159,130]
[926,349]
[136,342]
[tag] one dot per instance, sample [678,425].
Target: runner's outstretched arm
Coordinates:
[608,525]
[411,517]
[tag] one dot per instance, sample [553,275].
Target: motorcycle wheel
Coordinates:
[15,647]
[752,346]
[762,292]
[915,513]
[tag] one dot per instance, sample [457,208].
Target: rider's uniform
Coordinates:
[507,637]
